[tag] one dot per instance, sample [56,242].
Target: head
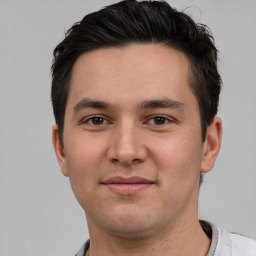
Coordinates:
[145,22]
[135,93]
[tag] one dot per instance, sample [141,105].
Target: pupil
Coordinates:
[159,120]
[97,120]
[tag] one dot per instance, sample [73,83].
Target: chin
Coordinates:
[131,231]
[131,223]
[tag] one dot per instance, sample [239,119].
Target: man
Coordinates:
[135,95]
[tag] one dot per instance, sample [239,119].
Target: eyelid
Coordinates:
[86,120]
[168,118]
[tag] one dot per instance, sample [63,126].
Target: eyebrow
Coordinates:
[162,103]
[89,103]
[147,104]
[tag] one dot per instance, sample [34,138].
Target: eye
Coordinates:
[96,120]
[159,120]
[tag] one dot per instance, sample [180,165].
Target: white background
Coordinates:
[38,212]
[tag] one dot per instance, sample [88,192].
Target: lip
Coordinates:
[127,185]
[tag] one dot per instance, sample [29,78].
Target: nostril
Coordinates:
[136,161]
[114,160]
[126,149]
[126,162]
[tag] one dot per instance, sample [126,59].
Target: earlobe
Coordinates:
[59,150]
[211,145]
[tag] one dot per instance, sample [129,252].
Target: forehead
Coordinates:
[127,73]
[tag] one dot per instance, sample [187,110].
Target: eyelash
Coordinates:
[166,120]
[89,120]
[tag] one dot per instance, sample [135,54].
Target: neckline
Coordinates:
[210,230]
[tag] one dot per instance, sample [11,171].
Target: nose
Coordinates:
[127,146]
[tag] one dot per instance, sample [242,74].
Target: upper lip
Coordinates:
[127,180]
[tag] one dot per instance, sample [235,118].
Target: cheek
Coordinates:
[84,154]
[179,158]
[83,159]
[178,166]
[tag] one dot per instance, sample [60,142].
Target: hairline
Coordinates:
[190,74]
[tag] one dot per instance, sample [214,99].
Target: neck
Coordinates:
[186,238]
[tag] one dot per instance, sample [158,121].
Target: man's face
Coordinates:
[132,139]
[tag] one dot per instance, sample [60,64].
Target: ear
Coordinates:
[211,145]
[59,151]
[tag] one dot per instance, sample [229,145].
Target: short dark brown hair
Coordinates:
[142,22]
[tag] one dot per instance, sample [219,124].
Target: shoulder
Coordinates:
[239,245]
[243,245]
[83,249]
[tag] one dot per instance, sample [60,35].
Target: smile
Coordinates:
[127,186]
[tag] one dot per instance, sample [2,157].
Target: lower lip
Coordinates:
[128,189]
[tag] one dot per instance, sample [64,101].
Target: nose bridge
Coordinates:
[126,144]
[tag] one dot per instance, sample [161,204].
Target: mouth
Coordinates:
[127,186]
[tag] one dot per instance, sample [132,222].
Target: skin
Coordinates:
[131,113]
